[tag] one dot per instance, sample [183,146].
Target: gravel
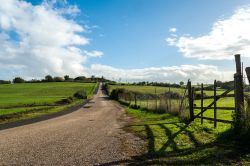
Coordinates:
[91,135]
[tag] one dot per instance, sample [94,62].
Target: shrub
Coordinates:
[66,101]
[172,95]
[198,95]
[18,80]
[58,79]
[80,78]
[4,82]
[247,89]
[115,93]
[81,94]
[66,78]
[34,81]
[134,106]
[49,78]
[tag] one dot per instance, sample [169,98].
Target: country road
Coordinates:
[91,135]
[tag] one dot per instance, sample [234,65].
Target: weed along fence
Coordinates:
[173,100]
[211,103]
[237,97]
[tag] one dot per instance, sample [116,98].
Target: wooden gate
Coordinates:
[238,98]
[212,105]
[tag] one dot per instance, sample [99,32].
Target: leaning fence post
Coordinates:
[215,105]
[239,94]
[191,102]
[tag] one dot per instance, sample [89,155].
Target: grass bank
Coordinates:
[169,141]
[30,100]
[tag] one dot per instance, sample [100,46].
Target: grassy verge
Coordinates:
[27,101]
[169,141]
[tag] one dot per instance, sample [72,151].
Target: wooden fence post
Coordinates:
[156,100]
[169,99]
[191,102]
[135,100]
[215,104]
[239,95]
[129,98]
[147,101]
[201,103]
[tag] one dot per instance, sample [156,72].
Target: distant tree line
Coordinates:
[49,78]
[162,84]
[220,84]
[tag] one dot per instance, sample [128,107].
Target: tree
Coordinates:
[18,80]
[219,83]
[80,78]
[66,77]
[181,83]
[49,78]
[58,79]
[4,82]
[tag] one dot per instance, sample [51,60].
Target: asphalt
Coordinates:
[91,135]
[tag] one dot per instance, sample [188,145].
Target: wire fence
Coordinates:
[167,102]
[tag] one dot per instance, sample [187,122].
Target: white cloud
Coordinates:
[172,30]
[41,39]
[197,73]
[226,38]
[94,53]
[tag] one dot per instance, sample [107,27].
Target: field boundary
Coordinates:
[43,117]
[211,106]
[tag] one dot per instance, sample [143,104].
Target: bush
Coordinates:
[18,80]
[172,95]
[81,94]
[80,78]
[49,78]
[134,106]
[115,93]
[33,81]
[198,95]
[66,101]
[247,89]
[58,79]
[66,78]
[4,82]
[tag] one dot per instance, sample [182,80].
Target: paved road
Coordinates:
[92,135]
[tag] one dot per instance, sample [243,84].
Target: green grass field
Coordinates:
[169,141]
[27,100]
[151,104]
[146,89]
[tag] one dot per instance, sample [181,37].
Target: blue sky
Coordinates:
[132,35]
[135,30]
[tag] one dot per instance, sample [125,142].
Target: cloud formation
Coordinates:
[42,39]
[172,29]
[197,73]
[45,39]
[94,53]
[226,38]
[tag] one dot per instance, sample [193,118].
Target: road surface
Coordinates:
[91,135]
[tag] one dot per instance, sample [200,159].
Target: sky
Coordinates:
[127,40]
